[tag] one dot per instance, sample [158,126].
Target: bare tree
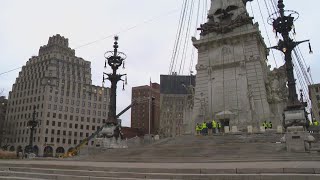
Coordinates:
[2,92]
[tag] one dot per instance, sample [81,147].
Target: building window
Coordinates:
[76,126]
[52,131]
[58,132]
[58,140]
[47,131]
[70,125]
[46,139]
[69,141]
[53,123]
[64,133]
[63,141]
[71,117]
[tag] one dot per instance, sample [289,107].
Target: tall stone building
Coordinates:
[146,108]
[176,104]
[69,108]
[232,71]
[314,94]
[3,111]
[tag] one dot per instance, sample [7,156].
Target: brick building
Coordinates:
[146,101]
[176,104]
[69,108]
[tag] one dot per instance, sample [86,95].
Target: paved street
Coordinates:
[231,165]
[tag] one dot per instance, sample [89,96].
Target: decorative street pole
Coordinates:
[32,124]
[284,24]
[114,59]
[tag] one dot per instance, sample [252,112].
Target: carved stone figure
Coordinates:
[225,15]
[276,86]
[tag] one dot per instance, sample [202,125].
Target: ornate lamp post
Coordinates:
[32,124]
[283,24]
[114,59]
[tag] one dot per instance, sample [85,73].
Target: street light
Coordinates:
[114,59]
[32,124]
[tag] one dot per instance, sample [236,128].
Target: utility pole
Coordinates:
[32,124]
[114,59]
[283,23]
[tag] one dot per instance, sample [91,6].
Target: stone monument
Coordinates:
[233,77]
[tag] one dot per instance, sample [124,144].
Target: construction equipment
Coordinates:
[76,149]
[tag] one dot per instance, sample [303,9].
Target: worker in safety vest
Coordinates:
[265,125]
[214,126]
[209,126]
[198,129]
[269,125]
[204,129]
[219,127]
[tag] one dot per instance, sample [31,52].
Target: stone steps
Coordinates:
[93,173]
[243,147]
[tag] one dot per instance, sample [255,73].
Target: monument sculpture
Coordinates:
[232,72]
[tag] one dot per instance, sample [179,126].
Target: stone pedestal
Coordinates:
[296,139]
[279,129]
[262,129]
[234,129]
[156,137]
[250,129]
[226,129]
[113,143]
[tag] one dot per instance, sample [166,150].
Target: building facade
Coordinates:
[176,104]
[69,108]
[146,108]
[314,94]
[3,111]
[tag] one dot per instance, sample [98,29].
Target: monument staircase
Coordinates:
[213,148]
[221,157]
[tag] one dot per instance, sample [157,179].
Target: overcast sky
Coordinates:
[27,25]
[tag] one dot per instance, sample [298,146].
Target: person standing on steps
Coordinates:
[204,128]
[218,127]
[198,129]
[214,126]
[209,126]
[270,125]
[264,124]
